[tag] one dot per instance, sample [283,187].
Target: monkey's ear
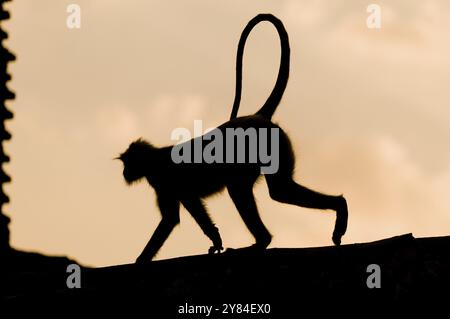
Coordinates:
[118,157]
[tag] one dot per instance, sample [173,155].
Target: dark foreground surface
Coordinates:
[279,283]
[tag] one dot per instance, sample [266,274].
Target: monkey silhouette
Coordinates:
[189,182]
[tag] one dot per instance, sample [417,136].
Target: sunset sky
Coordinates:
[367,110]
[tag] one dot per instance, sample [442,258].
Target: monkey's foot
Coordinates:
[215,250]
[341,221]
[141,260]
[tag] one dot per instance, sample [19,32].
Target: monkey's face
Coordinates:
[133,163]
[130,173]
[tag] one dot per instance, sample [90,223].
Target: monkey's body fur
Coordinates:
[200,180]
[189,183]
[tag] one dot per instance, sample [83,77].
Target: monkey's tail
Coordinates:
[268,109]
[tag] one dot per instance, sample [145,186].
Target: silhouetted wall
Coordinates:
[5,114]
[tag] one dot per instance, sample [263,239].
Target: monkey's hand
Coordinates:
[215,249]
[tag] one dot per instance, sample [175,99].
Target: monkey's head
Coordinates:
[135,160]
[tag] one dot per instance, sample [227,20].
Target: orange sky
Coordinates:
[367,111]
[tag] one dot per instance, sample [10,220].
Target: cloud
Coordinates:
[178,110]
[408,32]
[387,190]
[306,14]
[116,124]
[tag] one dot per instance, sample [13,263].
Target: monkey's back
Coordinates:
[201,176]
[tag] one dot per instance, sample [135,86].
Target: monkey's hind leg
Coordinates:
[285,190]
[198,211]
[242,195]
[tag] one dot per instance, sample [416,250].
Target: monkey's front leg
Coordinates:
[197,209]
[217,241]
[170,218]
